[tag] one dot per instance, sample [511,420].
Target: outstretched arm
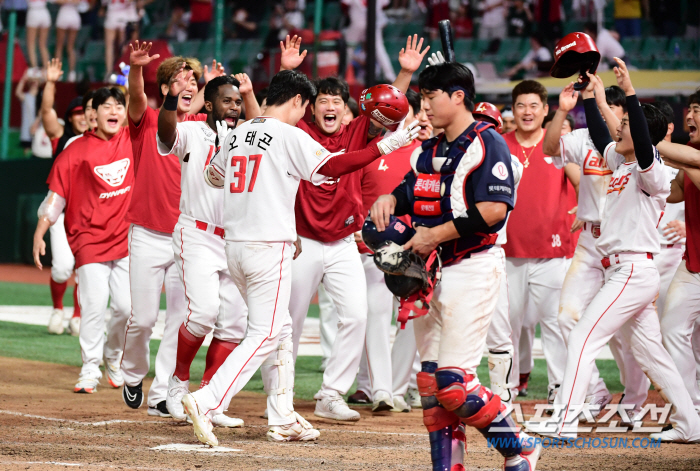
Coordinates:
[567,101]
[49,119]
[643,147]
[291,57]
[252,108]
[167,119]
[410,59]
[611,121]
[685,155]
[138,59]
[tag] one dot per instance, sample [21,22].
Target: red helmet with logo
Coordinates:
[575,53]
[384,103]
[485,111]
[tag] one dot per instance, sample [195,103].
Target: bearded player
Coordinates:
[463,221]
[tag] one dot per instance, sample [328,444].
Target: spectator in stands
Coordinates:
[548,16]
[493,19]
[118,15]
[356,33]
[28,100]
[38,25]
[435,11]
[519,20]
[179,20]
[461,20]
[201,14]
[536,55]
[608,46]
[293,18]
[246,26]
[628,17]
[67,26]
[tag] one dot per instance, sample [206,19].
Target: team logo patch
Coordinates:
[113,174]
[258,120]
[500,171]
[363,107]
[319,152]
[368,96]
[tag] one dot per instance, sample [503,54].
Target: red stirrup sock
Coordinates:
[57,292]
[187,348]
[76,304]
[218,352]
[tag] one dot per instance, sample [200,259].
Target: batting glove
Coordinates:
[398,139]
[436,58]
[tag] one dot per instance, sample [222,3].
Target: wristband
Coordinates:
[470,224]
[170,103]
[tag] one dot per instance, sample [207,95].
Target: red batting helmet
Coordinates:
[485,111]
[385,104]
[575,53]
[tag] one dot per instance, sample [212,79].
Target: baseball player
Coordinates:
[213,301]
[92,180]
[628,240]
[586,275]
[327,215]
[474,162]
[259,167]
[153,214]
[539,240]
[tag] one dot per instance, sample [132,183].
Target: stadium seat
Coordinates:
[632,45]
[188,48]
[464,49]
[412,28]
[686,48]
[92,63]
[511,48]
[332,16]
[654,47]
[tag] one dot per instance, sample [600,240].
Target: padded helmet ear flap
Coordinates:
[575,53]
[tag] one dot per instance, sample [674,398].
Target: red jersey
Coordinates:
[692,225]
[538,226]
[96,178]
[156,201]
[333,210]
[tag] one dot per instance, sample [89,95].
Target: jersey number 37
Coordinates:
[240,165]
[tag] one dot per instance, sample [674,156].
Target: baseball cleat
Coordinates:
[56,322]
[87,383]
[413,398]
[334,407]
[201,423]
[382,402]
[400,405]
[358,398]
[160,410]
[173,401]
[222,420]
[133,395]
[301,430]
[114,374]
[673,436]
[74,326]
[600,402]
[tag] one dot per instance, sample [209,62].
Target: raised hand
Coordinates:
[568,98]
[623,77]
[139,54]
[217,70]
[246,85]
[290,56]
[411,56]
[54,70]
[180,80]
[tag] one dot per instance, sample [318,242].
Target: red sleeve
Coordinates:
[196,117]
[359,125]
[59,177]
[342,164]
[136,130]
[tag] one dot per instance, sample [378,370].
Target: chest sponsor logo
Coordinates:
[427,186]
[500,171]
[594,164]
[383,166]
[113,174]
[618,184]
[500,190]
[110,194]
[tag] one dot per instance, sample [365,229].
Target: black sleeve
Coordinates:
[643,147]
[403,203]
[596,125]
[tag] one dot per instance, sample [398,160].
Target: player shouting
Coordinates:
[92,180]
[259,167]
[472,164]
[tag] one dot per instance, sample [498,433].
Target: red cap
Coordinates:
[384,103]
[485,111]
[575,53]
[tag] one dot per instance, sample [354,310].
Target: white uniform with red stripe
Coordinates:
[263,161]
[213,302]
[628,240]
[586,275]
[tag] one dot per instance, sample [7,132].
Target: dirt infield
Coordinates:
[19,273]
[46,426]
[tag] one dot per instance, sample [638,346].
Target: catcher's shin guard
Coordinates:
[478,407]
[439,422]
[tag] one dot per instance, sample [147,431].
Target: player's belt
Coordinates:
[594,228]
[617,258]
[210,228]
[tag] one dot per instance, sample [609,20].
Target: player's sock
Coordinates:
[76,304]
[217,354]
[187,347]
[57,292]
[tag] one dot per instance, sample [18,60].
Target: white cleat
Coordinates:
[87,383]
[173,401]
[382,402]
[56,322]
[673,436]
[201,423]
[221,420]
[114,374]
[413,398]
[600,402]
[74,326]
[400,405]
[334,407]
[301,430]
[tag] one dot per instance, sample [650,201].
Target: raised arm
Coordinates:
[167,119]
[567,101]
[685,155]
[290,55]
[138,59]
[49,118]
[217,69]
[252,108]
[611,120]
[643,147]
[410,59]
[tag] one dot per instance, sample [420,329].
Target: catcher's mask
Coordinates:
[575,53]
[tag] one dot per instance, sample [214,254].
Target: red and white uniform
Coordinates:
[327,216]
[539,242]
[263,160]
[119,13]
[628,239]
[198,240]
[38,15]
[96,178]
[153,214]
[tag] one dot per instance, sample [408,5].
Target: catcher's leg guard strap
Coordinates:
[437,418]
[281,363]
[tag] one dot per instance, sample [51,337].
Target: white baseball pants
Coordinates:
[339,267]
[625,304]
[454,332]
[538,280]
[62,259]
[678,321]
[405,361]
[262,272]
[498,338]
[152,265]
[327,323]
[98,283]
[667,262]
